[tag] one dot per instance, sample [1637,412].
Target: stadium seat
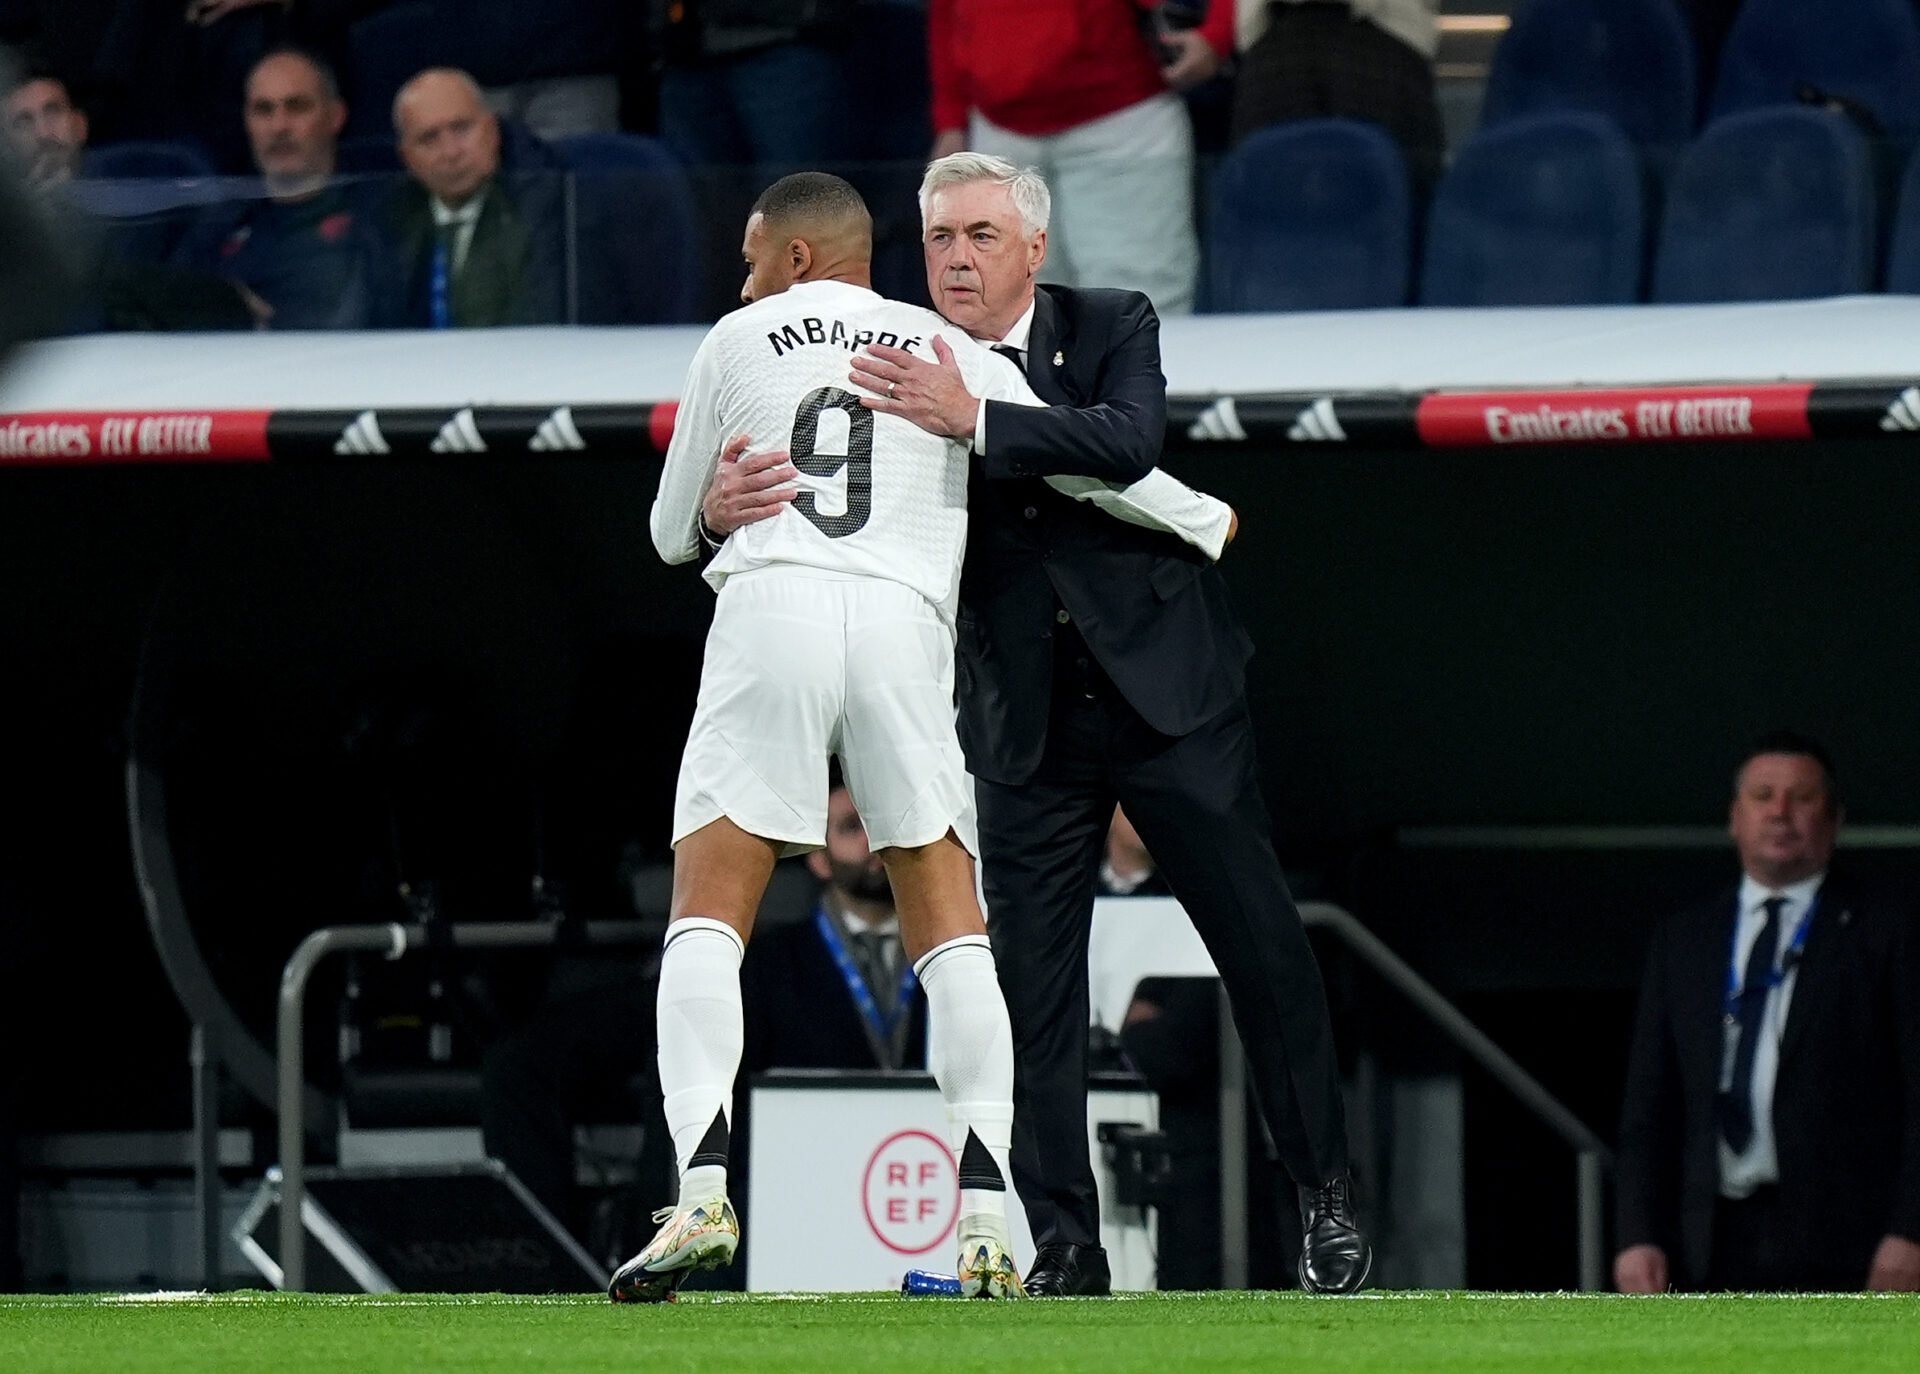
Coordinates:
[1863,51]
[1312,215]
[1630,59]
[147,158]
[637,234]
[1903,240]
[1546,210]
[145,179]
[1772,204]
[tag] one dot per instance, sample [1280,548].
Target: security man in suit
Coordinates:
[1770,1138]
[1096,665]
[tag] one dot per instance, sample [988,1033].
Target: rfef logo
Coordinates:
[911,1192]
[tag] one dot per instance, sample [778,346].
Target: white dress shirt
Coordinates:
[1742,1172]
[1016,338]
[461,222]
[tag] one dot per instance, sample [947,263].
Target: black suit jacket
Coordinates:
[514,271]
[1152,608]
[1846,1106]
[799,1013]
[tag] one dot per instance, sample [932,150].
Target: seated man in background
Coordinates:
[469,246]
[46,131]
[300,256]
[1770,1138]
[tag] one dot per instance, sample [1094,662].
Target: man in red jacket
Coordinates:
[1083,91]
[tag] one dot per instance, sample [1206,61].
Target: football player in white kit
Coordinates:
[833,635]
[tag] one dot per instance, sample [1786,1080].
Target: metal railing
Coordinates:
[1591,1155]
[394,940]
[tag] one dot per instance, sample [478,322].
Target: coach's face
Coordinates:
[981,261]
[847,862]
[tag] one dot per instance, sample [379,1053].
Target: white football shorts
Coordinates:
[800,664]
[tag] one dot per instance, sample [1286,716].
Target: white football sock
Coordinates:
[970,1050]
[701,1033]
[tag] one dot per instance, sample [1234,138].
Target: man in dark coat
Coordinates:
[1770,1138]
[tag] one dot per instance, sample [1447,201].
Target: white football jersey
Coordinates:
[878,496]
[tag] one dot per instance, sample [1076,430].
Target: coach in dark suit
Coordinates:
[1101,662]
[1770,1138]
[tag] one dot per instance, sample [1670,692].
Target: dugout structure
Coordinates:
[1512,574]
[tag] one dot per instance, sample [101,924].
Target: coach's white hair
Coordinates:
[1028,189]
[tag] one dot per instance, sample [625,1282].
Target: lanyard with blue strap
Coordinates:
[439,308]
[1777,969]
[880,1027]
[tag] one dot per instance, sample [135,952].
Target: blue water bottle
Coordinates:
[924,1283]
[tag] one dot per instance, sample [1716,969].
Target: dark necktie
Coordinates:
[1012,355]
[1749,1011]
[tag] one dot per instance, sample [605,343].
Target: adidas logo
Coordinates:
[1317,424]
[1904,413]
[1217,421]
[363,436]
[556,433]
[459,435]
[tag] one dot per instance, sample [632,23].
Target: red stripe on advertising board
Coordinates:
[660,424]
[1667,414]
[86,438]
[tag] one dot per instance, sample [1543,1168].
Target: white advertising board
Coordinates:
[852,1184]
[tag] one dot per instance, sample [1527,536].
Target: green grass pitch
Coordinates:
[1147,1334]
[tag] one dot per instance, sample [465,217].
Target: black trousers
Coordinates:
[1196,802]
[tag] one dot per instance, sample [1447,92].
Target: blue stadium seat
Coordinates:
[1633,60]
[1865,51]
[1771,204]
[1548,209]
[1903,245]
[1315,214]
[638,258]
[147,158]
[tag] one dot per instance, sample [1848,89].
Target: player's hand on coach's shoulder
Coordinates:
[933,395]
[746,487]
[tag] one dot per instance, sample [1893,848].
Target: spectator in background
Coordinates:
[1084,96]
[302,255]
[470,246]
[755,82]
[46,132]
[552,67]
[1770,1138]
[1370,59]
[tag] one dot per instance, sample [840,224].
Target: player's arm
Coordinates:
[940,396]
[692,455]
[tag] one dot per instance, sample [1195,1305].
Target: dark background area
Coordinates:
[365,670]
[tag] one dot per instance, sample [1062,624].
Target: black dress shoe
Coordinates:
[1334,1256]
[1061,1270]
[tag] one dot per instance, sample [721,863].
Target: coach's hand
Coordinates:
[1896,1267]
[1640,1269]
[933,395]
[745,489]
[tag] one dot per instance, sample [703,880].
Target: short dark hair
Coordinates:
[814,196]
[1785,741]
[329,79]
